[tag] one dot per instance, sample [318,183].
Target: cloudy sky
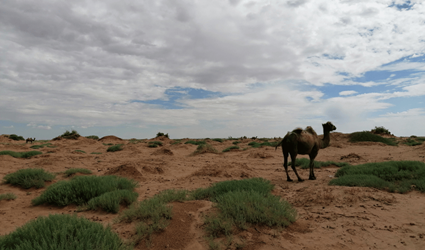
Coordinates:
[201,68]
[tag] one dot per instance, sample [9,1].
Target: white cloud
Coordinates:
[347,92]
[82,63]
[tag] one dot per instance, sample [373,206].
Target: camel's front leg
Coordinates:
[293,158]
[311,176]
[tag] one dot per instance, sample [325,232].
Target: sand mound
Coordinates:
[262,155]
[163,151]
[127,170]
[5,139]
[110,138]
[153,170]
[233,170]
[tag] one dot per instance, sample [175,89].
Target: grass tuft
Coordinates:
[27,154]
[395,176]
[204,148]
[115,148]
[154,144]
[16,137]
[8,196]
[368,136]
[196,142]
[110,201]
[81,189]
[73,171]
[218,139]
[255,144]
[94,137]
[30,177]
[61,231]
[230,148]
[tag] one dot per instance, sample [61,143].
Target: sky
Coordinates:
[200,68]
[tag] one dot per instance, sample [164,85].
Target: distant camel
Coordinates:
[304,142]
[30,140]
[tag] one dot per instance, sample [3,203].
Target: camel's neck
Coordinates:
[326,139]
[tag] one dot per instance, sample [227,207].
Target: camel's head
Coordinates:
[328,126]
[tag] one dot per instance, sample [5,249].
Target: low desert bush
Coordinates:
[73,171]
[96,153]
[400,176]
[110,201]
[260,185]
[16,137]
[8,196]
[380,131]
[41,146]
[153,214]
[204,148]
[70,135]
[414,141]
[241,203]
[230,148]
[236,142]
[368,136]
[80,151]
[81,189]
[30,177]
[196,142]
[62,231]
[154,144]
[94,137]
[115,148]
[218,139]
[27,154]
[162,134]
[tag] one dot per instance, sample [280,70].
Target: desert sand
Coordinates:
[329,217]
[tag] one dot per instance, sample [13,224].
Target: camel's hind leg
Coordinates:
[285,165]
[312,157]
[293,158]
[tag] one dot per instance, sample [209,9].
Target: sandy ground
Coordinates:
[329,217]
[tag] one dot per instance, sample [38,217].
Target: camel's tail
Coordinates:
[280,143]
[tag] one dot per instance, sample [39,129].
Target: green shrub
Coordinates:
[153,214]
[243,203]
[259,185]
[30,177]
[27,154]
[196,142]
[70,135]
[96,153]
[16,137]
[94,137]
[162,134]
[230,148]
[73,171]
[62,231]
[204,148]
[115,148]
[413,141]
[81,189]
[255,144]
[380,131]
[8,196]
[40,146]
[394,175]
[236,142]
[255,208]
[154,144]
[218,139]
[107,144]
[368,136]
[80,151]
[110,201]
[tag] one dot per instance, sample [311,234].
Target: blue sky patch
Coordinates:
[173,95]
[405,6]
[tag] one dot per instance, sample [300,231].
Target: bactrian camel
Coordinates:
[304,142]
[30,140]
